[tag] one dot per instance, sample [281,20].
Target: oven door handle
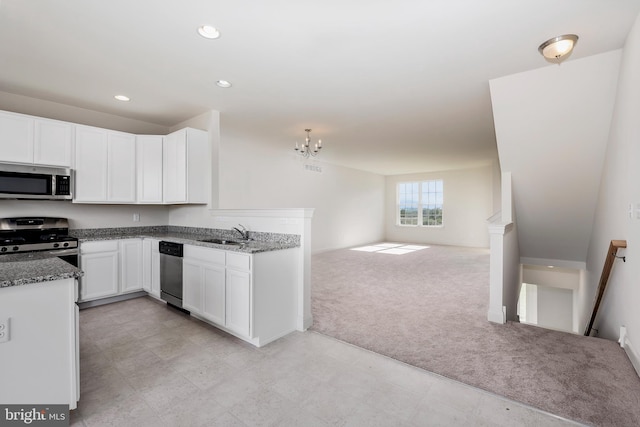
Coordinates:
[63,252]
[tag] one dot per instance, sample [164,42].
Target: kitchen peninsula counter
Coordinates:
[16,270]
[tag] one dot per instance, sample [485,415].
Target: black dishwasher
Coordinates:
[171,272]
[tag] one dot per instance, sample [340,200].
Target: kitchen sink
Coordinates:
[221,242]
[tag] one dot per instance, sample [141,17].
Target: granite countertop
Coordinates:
[18,270]
[262,242]
[22,269]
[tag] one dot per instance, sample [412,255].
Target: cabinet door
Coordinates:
[155,270]
[175,167]
[238,302]
[91,165]
[146,265]
[149,168]
[16,137]
[130,265]
[198,166]
[52,143]
[214,293]
[151,267]
[121,170]
[192,286]
[100,275]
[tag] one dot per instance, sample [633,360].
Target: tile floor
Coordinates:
[144,364]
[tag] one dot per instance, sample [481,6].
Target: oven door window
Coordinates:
[25,183]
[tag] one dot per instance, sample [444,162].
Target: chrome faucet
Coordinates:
[244,232]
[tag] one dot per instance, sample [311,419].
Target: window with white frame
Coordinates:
[420,203]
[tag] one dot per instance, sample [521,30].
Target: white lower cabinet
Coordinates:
[130,265]
[238,301]
[99,261]
[192,285]
[151,267]
[252,296]
[111,267]
[213,296]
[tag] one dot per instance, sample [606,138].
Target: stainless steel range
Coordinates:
[42,235]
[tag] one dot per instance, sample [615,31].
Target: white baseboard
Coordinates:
[633,355]
[496,316]
[304,323]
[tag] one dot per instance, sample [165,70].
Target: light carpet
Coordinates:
[429,309]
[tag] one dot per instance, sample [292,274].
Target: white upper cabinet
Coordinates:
[53,141]
[112,166]
[105,166]
[16,137]
[149,168]
[186,167]
[121,167]
[91,164]
[28,139]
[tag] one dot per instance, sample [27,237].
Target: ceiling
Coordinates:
[390,87]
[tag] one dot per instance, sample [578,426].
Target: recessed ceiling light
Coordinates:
[208,32]
[223,83]
[122,98]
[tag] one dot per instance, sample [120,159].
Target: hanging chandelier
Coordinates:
[306,149]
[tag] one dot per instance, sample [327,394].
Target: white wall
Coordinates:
[552,277]
[551,127]
[68,113]
[348,203]
[87,216]
[620,187]
[555,308]
[468,203]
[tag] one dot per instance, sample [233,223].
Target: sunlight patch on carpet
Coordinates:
[390,248]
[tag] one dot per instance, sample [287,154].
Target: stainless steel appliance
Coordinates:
[41,236]
[35,182]
[171,272]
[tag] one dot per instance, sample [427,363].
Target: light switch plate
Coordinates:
[4,329]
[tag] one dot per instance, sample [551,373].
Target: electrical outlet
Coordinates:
[4,330]
[136,217]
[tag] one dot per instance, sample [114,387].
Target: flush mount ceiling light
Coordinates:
[305,150]
[556,48]
[122,98]
[223,83]
[208,32]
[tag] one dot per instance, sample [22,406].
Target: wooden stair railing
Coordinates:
[604,279]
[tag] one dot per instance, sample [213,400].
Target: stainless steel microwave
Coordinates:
[35,182]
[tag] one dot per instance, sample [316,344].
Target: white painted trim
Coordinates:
[304,323]
[498,316]
[496,217]
[633,355]
[501,228]
[575,265]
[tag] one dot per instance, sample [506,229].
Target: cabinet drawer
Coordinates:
[239,261]
[213,256]
[98,246]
